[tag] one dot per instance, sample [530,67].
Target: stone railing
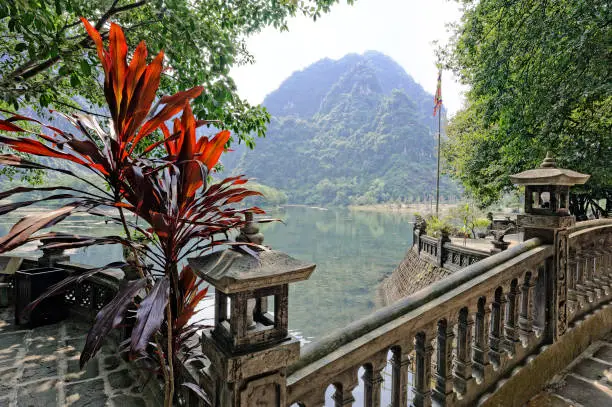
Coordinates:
[456,257]
[86,298]
[476,326]
[442,253]
[586,265]
[458,342]
[429,248]
[90,296]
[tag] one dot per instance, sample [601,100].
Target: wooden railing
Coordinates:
[475,326]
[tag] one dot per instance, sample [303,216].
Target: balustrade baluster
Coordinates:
[601,270]
[581,290]
[343,398]
[607,263]
[443,391]
[593,290]
[343,395]
[372,380]
[481,342]
[400,363]
[572,295]
[525,321]
[422,374]
[596,280]
[602,279]
[510,323]
[462,371]
[595,285]
[497,320]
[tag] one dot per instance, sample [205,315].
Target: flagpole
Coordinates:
[438,177]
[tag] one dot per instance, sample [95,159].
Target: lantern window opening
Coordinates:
[563,201]
[265,310]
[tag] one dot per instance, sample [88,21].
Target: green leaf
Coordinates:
[85,67]
[74,80]
[21,47]
[64,70]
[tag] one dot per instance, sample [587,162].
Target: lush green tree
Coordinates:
[539,77]
[46,58]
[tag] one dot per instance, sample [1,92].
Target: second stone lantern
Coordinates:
[547,198]
[250,339]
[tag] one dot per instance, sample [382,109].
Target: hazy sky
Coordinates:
[402,29]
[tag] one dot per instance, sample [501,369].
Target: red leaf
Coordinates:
[108,318]
[198,391]
[118,52]
[26,145]
[97,39]
[176,104]
[8,126]
[29,225]
[136,69]
[150,315]
[142,99]
[213,149]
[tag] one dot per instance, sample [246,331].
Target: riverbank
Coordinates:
[423,209]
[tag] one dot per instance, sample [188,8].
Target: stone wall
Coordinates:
[412,274]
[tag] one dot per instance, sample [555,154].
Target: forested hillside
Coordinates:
[358,130]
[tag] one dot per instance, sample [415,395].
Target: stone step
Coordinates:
[587,381]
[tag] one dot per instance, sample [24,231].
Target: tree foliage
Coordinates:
[539,77]
[47,60]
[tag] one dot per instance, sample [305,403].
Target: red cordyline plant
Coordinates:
[183,213]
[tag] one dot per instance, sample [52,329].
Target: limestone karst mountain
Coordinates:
[351,131]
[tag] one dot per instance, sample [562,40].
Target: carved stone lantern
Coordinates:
[250,337]
[547,198]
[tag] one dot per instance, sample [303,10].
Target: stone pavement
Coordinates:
[40,367]
[586,382]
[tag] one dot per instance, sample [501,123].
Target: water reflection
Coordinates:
[353,251]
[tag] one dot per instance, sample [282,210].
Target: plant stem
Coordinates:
[170,378]
[162,362]
[128,236]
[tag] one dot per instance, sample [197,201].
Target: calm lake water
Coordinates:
[353,252]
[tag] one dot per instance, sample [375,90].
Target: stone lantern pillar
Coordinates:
[249,346]
[547,199]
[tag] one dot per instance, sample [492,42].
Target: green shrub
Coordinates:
[437,227]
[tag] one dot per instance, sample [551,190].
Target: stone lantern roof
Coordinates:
[549,174]
[231,271]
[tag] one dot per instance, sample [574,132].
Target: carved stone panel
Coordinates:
[268,391]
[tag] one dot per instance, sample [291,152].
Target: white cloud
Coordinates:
[403,29]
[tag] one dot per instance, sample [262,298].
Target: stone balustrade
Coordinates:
[91,295]
[442,253]
[454,343]
[586,265]
[458,338]
[86,298]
